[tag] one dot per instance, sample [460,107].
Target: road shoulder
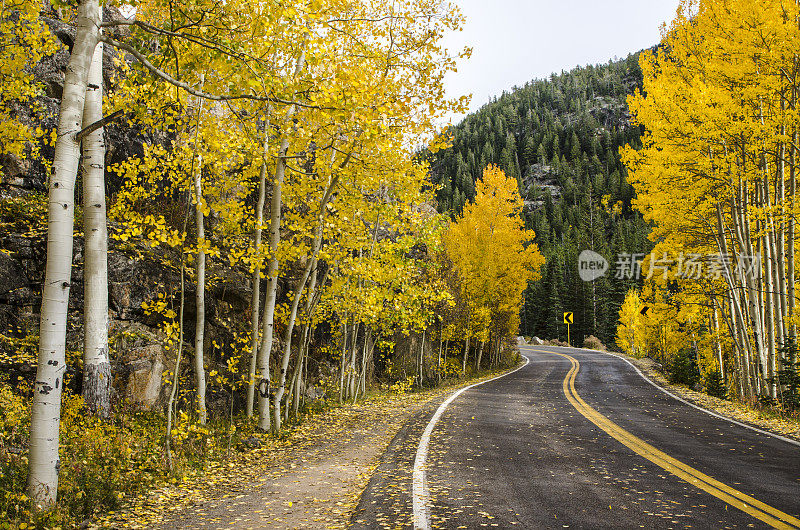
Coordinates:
[731,410]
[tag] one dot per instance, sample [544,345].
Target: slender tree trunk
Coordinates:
[439,358]
[466,351]
[96,367]
[342,363]
[351,372]
[717,345]
[421,358]
[176,373]
[294,389]
[46,408]
[200,293]
[769,289]
[256,297]
[781,237]
[305,335]
[480,354]
[287,338]
[276,203]
[790,265]
[366,356]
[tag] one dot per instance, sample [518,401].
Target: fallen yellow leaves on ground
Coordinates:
[311,476]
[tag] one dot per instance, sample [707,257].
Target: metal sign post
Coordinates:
[568,318]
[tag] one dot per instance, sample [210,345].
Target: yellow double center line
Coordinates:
[735,498]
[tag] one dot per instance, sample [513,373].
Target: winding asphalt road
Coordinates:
[579,439]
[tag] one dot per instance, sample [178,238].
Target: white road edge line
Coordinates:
[419,490]
[670,394]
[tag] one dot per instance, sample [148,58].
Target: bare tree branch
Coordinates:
[98,124]
[193,91]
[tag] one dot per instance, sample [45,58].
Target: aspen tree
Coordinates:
[712,174]
[494,259]
[96,366]
[46,409]
[255,299]
[268,325]
[200,291]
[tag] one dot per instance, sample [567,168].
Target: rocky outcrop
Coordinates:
[538,180]
[139,358]
[610,113]
[140,363]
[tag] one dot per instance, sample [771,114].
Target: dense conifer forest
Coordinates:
[560,138]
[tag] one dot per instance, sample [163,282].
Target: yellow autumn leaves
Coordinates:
[25,40]
[494,258]
[716,177]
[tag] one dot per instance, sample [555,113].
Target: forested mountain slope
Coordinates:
[560,138]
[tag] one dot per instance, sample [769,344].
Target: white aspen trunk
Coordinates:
[466,351]
[255,299]
[717,345]
[369,344]
[287,341]
[297,377]
[773,295]
[46,408]
[356,383]
[480,354]
[200,298]
[357,375]
[768,293]
[96,366]
[200,294]
[343,359]
[439,357]
[421,358]
[790,266]
[299,385]
[351,371]
[267,333]
[781,236]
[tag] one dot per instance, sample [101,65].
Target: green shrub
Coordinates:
[714,384]
[683,369]
[788,377]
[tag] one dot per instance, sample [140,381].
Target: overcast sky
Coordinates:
[515,41]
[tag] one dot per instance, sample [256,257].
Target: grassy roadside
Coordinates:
[762,418]
[275,457]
